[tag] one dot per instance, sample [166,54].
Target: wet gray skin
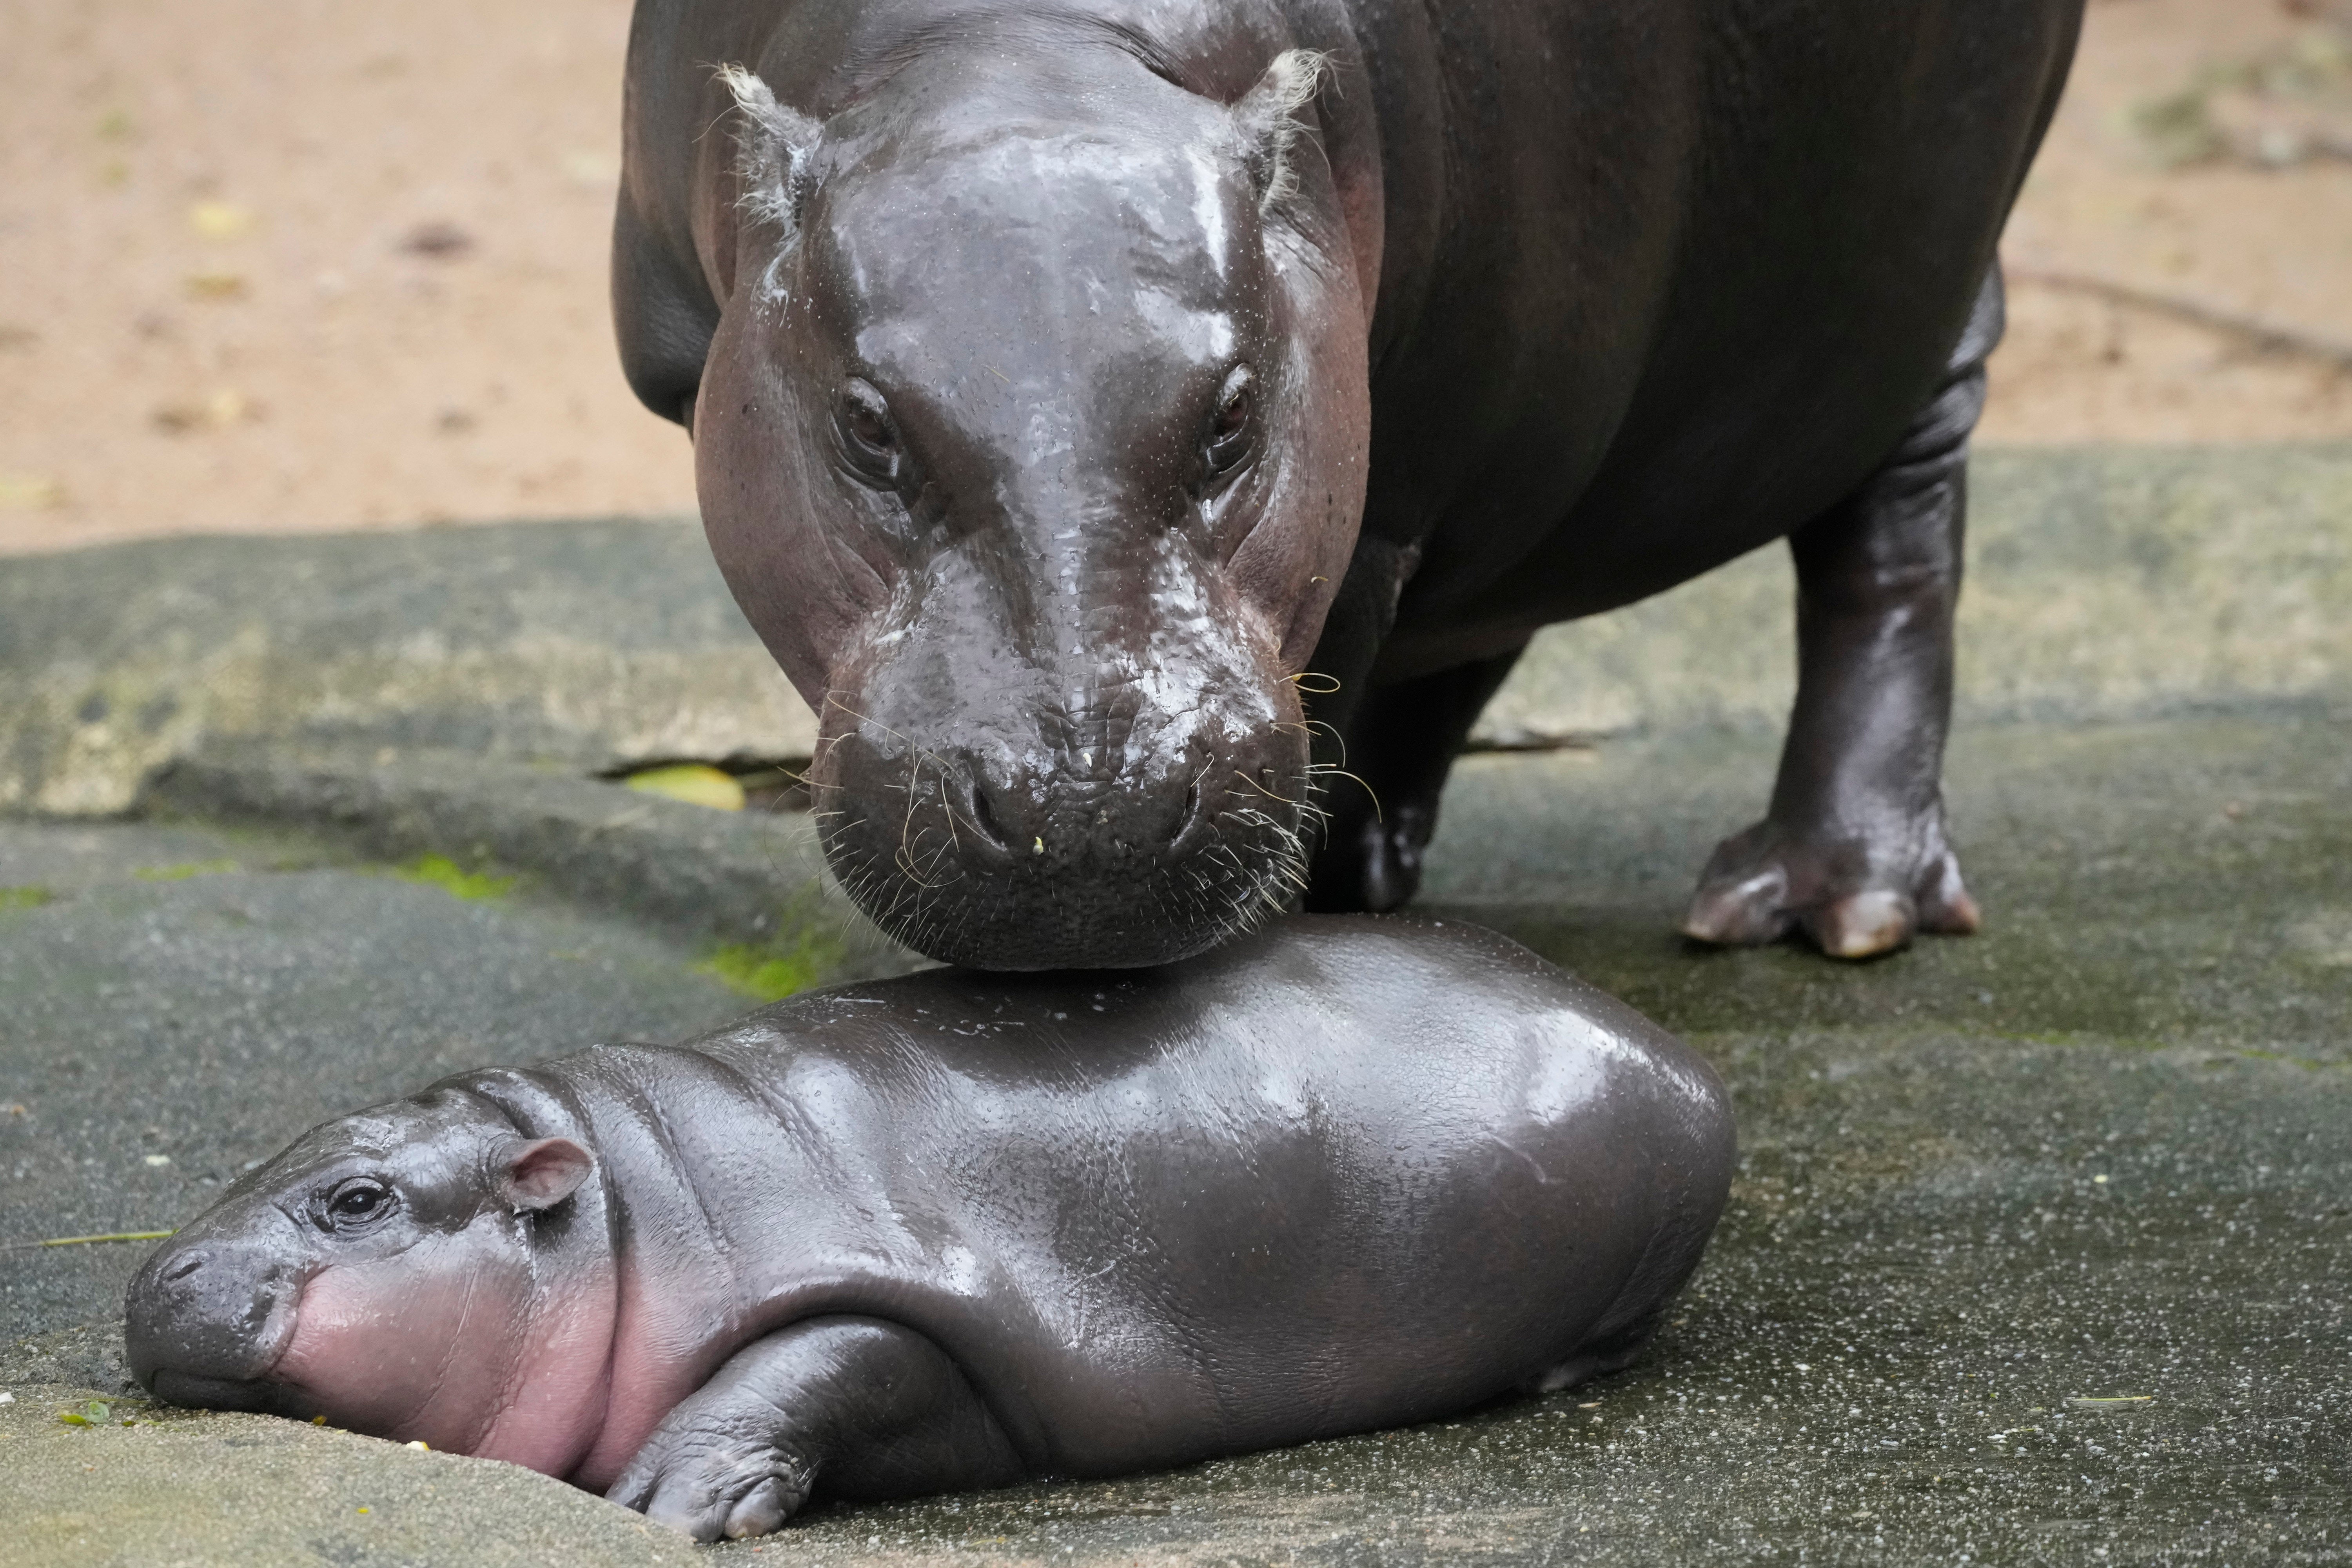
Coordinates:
[1117,417]
[955,1230]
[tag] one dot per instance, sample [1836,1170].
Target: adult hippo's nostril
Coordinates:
[982,814]
[185,1265]
[1056,812]
[1045,858]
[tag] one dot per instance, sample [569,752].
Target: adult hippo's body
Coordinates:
[954,1229]
[1072,385]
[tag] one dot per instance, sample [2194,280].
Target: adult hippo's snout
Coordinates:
[1132,826]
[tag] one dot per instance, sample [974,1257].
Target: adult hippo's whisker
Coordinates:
[1260,788]
[1328,770]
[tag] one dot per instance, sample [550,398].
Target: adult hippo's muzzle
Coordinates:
[1038,789]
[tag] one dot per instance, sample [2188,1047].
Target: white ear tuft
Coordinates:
[773,150]
[540,1173]
[1267,118]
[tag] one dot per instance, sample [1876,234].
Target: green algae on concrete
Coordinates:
[440,871]
[184,871]
[770,974]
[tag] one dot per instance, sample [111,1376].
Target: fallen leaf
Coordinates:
[220,220]
[2176,129]
[30,491]
[219,411]
[441,240]
[697,784]
[591,169]
[217,287]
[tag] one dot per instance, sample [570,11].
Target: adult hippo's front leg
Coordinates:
[1380,804]
[1853,848]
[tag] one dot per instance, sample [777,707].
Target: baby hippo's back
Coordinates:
[1341,1174]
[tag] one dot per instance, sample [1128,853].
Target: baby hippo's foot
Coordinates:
[713,1468]
[1610,1353]
[1853,897]
[873,1409]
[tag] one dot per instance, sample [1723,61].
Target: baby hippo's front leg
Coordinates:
[862,1408]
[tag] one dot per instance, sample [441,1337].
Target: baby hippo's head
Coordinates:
[401,1272]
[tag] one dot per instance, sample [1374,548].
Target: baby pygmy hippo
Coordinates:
[958,1229]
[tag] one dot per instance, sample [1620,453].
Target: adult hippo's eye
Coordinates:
[868,440]
[360,1202]
[1233,430]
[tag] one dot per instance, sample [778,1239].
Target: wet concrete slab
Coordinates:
[2039,1249]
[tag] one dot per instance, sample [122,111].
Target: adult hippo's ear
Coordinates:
[774,143]
[539,1173]
[1268,119]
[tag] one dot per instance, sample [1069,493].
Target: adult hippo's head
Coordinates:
[1031,439]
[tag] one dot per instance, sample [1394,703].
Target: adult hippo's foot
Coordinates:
[1852,851]
[1848,895]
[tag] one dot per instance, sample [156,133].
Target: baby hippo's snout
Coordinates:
[208,1318]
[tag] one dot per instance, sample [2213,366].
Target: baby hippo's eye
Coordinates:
[359,1202]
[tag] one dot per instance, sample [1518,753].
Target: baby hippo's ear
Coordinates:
[540,1173]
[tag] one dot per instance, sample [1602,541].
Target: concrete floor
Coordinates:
[2040,1250]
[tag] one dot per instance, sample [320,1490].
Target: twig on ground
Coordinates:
[87,1240]
[2269,337]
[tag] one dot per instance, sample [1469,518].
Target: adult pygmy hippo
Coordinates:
[1068,381]
[956,1229]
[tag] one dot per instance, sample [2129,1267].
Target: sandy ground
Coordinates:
[287,265]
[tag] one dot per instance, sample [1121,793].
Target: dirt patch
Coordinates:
[287,265]
[2179,257]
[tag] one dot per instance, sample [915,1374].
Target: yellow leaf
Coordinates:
[697,784]
[216,286]
[219,220]
[30,491]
